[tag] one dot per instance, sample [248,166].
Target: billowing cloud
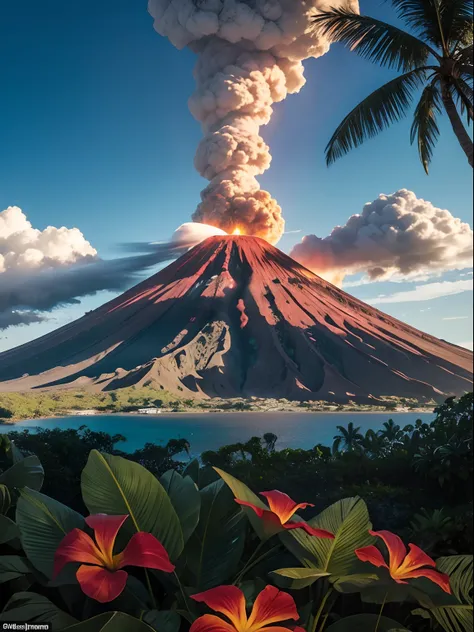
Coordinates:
[23,247]
[395,235]
[426,292]
[41,270]
[250,57]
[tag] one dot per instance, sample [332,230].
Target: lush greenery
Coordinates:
[36,404]
[415,481]
[434,56]
[31,405]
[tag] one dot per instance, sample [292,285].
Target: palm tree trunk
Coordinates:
[456,123]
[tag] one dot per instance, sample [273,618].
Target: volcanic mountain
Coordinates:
[235,317]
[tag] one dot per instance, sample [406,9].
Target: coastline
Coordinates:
[213,411]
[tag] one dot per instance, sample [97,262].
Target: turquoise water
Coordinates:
[209,432]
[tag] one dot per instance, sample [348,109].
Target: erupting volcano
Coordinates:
[235,316]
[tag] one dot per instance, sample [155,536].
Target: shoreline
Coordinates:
[191,411]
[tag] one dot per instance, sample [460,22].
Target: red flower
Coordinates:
[100,575]
[401,565]
[271,606]
[282,509]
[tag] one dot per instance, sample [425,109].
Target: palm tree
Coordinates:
[270,441]
[391,432]
[436,57]
[349,437]
[372,443]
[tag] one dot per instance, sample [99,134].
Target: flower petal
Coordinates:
[435,576]
[319,533]
[211,623]
[416,558]
[278,628]
[100,584]
[105,532]
[228,600]
[258,510]
[271,606]
[268,517]
[396,549]
[371,554]
[146,551]
[282,505]
[76,546]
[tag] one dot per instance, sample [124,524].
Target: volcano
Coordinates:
[236,317]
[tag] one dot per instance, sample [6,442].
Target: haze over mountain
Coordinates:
[233,317]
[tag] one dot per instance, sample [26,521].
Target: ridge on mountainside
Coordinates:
[234,317]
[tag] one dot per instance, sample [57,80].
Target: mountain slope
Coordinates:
[235,316]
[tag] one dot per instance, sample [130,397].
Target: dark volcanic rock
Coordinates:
[237,317]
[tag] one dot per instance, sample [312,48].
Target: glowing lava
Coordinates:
[237,231]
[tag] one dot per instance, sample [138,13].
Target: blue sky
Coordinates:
[95,133]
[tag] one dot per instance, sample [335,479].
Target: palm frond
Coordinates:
[456,20]
[453,613]
[421,16]
[464,58]
[373,39]
[386,105]
[424,126]
[465,95]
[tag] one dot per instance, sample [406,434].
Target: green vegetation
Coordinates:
[33,405]
[434,55]
[414,481]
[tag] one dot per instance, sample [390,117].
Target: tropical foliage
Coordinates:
[197,550]
[435,59]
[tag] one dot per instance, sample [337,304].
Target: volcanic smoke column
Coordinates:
[250,56]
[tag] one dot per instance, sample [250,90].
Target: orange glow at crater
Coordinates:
[237,231]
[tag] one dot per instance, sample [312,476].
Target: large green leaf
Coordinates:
[163,620]
[354,583]
[8,530]
[25,473]
[366,623]
[192,470]
[242,492]
[214,550]
[296,578]
[117,486]
[43,523]
[5,499]
[16,454]
[185,498]
[32,608]
[12,567]
[349,521]
[111,622]
[460,570]
[454,613]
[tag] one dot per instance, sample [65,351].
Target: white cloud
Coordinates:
[23,247]
[425,292]
[396,237]
[41,270]
[456,318]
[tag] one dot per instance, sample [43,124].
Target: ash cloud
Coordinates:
[42,270]
[395,235]
[250,57]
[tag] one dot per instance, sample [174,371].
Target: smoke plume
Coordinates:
[250,55]
[397,234]
[42,270]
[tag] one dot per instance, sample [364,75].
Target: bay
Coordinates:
[212,431]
